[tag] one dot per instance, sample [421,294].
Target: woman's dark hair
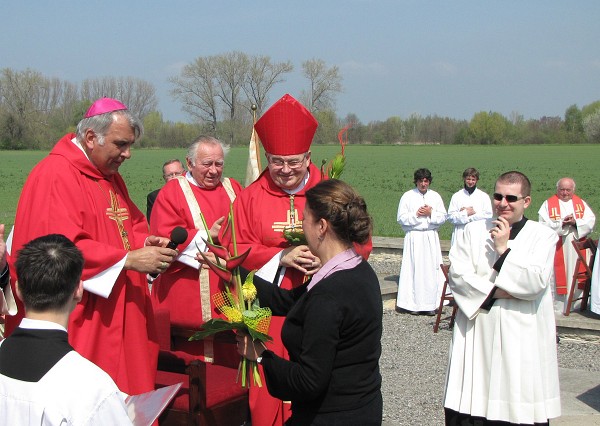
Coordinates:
[345,210]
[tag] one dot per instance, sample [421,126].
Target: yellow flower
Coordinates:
[249,291]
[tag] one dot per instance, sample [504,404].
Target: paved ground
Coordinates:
[414,361]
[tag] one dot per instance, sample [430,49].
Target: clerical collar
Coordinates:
[470,190]
[516,228]
[299,187]
[190,178]
[33,324]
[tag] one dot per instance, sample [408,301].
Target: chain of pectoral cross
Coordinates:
[118,214]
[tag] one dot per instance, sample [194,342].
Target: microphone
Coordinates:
[178,236]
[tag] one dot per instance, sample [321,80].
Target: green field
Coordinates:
[380,173]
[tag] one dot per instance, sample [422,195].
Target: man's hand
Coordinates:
[152,259]
[568,221]
[470,210]
[424,211]
[215,228]
[155,241]
[300,258]
[210,256]
[500,234]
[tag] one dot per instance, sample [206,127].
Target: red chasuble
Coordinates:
[178,289]
[66,194]
[559,259]
[261,212]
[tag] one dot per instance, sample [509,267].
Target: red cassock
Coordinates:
[178,288]
[66,194]
[261,211]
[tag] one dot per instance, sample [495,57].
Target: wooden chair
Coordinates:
[582,274]
[446,296]
[210,394]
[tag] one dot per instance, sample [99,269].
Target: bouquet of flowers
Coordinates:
[238,303]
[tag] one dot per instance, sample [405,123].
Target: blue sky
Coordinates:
[450,58]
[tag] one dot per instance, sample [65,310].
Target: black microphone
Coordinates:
[178,236]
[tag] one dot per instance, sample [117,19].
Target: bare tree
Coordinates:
[137,94]
[325,84]
[261,77]
[196,88]
[231,72]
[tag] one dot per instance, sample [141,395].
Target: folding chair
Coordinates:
[582,279]
[446,296]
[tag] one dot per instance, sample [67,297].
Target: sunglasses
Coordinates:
[509,198]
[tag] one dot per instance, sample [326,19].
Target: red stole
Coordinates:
[560,274]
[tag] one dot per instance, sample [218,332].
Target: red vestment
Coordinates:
[560,276]
[178,288]
[66,194]
[261,211]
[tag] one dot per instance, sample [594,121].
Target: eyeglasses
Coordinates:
[174,174]
[509,198]
[292,164]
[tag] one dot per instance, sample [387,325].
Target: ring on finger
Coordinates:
[164,265]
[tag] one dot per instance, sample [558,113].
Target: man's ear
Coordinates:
[78,293]
[18,290]
[90,139]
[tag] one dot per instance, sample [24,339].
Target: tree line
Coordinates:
[221,94]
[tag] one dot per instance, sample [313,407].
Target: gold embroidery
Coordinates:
[118,214]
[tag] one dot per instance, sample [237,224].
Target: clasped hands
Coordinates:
[300,258]
[424,211]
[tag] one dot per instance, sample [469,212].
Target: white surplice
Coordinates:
[503,362]
[582,228]
[421,278]
[595,290]
[480,202]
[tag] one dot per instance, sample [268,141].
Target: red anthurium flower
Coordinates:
[223,273]
[234,262]
[218,250]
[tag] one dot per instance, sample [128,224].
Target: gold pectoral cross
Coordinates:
[291,222]
[118,214]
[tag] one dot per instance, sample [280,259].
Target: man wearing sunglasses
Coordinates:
[503,363]
[571,218]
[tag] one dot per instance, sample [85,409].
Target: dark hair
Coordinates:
[49,269]
[345,210]
[422,174]
[516,177]
[471,171]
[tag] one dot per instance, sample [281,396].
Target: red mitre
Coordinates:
[287,128]
[104,105]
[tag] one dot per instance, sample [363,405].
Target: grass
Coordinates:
[380,173]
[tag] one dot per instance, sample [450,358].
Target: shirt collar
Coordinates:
[347,259]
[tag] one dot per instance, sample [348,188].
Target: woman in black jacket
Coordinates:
[333,323]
